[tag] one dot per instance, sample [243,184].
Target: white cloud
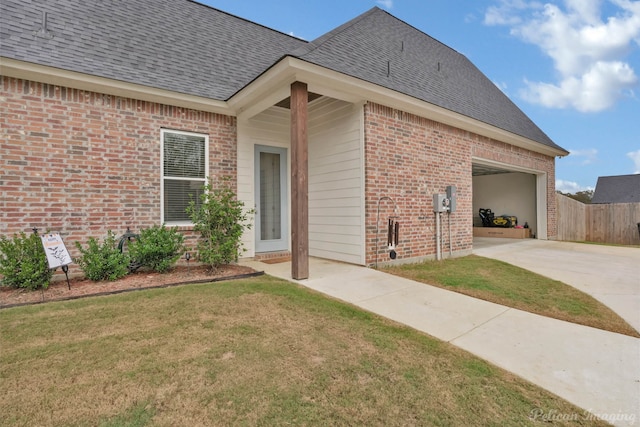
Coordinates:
[588,51]
[570,187]
[595,90]
[388,4]
[506,12]
[635,158]
[590,155]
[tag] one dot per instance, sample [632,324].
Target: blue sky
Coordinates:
[573,66]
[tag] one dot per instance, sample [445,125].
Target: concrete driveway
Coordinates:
[610,274]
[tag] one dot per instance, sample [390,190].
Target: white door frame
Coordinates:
[282,243]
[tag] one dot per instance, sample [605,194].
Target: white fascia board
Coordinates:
[274,85]
[59,77]
[265,91]
[341,86]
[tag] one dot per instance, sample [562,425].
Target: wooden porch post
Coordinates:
[299,183]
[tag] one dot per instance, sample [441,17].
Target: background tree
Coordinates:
[581,196]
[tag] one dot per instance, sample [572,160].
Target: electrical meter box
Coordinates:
[440,203]
[452,196]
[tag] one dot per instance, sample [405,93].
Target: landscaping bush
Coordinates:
[157,247]
[103,261]
[23,263]
[220,219]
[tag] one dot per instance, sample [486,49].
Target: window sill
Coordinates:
[181,226]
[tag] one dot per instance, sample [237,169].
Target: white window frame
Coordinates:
[163,177]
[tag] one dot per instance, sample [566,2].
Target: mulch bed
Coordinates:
[81,287]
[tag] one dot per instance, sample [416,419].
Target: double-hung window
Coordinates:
[184,173]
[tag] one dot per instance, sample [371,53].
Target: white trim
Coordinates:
[162,176]
[72,79]
[354,90]
[269,88]
[363,181]
[542,206]
[508,166]
[281,244]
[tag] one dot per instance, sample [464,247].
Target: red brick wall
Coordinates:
[81,163]
[409,158]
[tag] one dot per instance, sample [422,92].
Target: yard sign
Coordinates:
[57,254]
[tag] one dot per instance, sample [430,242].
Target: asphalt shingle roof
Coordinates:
[617,189]
[190,48]
[178,45]
[381,49]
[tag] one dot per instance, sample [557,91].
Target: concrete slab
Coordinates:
[595,370]
[610,274]
[443,314]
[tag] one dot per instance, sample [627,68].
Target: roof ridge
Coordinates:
[616,176]
[319,41]
[245,19]
[421,32]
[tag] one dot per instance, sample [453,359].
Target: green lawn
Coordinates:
[251,352]
[512,286]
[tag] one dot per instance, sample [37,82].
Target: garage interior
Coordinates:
[506,192]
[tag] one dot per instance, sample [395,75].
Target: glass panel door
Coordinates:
[271,199]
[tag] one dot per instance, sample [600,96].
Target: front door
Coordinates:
[272,222]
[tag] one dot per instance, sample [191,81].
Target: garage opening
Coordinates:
[514,193]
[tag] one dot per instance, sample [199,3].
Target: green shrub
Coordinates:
[23,263]
[103,261]
[157,247]
[220,219]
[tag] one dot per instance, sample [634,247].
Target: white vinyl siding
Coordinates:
[269,128]
[336,174]
[336,189]
[184,165]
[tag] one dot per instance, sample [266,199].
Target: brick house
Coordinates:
[113,113]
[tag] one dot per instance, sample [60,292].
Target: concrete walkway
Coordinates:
[596,370]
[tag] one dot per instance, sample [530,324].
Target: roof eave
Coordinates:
[268,89]
[64,78]
[273,86]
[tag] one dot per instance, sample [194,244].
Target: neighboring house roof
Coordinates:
[617,189]
[190,48]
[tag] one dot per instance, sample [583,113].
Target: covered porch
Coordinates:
[301,168]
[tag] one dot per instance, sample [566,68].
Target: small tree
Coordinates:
[220,219]
[23,263]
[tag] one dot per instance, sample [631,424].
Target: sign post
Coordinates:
[57,254]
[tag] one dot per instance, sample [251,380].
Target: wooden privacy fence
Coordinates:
[572,219]
[603,223]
